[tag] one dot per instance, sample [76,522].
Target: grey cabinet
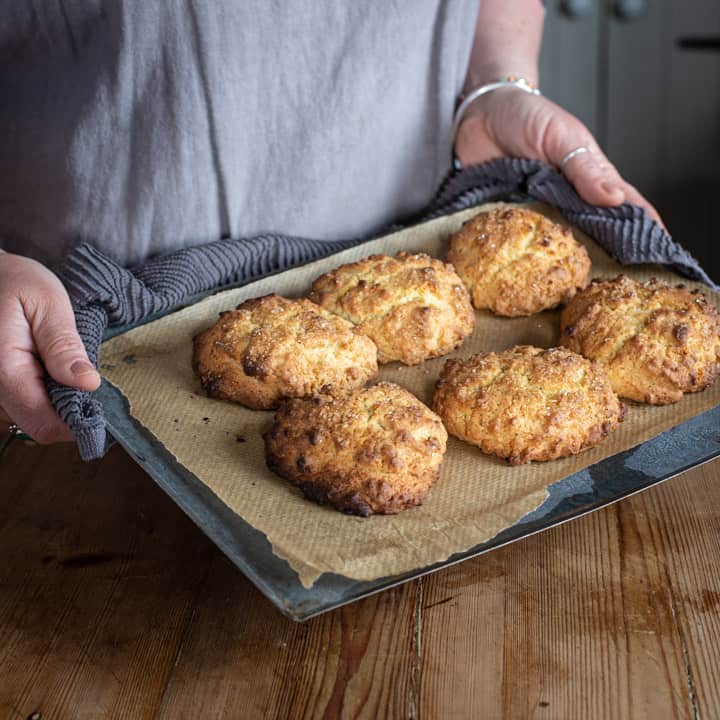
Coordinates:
[644,75]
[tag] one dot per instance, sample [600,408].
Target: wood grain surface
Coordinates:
[113,605]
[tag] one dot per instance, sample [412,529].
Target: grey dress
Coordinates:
[142,127]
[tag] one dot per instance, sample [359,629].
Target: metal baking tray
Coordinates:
[687,445]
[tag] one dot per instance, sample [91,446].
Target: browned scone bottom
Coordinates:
[655,340]
[517,262]
[376,450]
[527,404]
[413,306]
[271,348]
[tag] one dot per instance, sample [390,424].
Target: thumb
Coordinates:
[60,347]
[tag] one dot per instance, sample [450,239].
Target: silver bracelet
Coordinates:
[514,81]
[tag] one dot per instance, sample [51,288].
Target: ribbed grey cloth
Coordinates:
[105,294]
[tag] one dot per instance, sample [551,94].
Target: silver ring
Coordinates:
[577,151]
[16,432]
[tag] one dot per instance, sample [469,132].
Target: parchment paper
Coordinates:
[476,497]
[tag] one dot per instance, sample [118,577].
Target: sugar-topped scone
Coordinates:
[516,262]
[375,450]
[413,306]
[657,341]
[527,404]
[271,348]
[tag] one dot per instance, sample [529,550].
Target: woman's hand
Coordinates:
[36,319]
[511,123]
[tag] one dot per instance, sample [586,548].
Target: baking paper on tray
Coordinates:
[476,496]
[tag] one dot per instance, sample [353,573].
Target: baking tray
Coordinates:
[674,451]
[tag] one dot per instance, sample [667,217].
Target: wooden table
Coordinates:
[113,605]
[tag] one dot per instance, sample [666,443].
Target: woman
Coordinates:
[145,127]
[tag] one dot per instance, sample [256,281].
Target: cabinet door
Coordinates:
[663,115]
[569,60]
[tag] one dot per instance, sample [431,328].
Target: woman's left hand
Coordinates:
[511,123]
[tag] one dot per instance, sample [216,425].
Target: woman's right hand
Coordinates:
[37,324]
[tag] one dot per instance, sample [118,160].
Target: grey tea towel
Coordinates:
[105,294]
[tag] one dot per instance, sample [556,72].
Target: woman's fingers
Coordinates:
[599,183]
[595,179]
[25,401]
[59,345]
[569,146]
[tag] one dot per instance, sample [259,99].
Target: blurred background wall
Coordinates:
[644,75]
